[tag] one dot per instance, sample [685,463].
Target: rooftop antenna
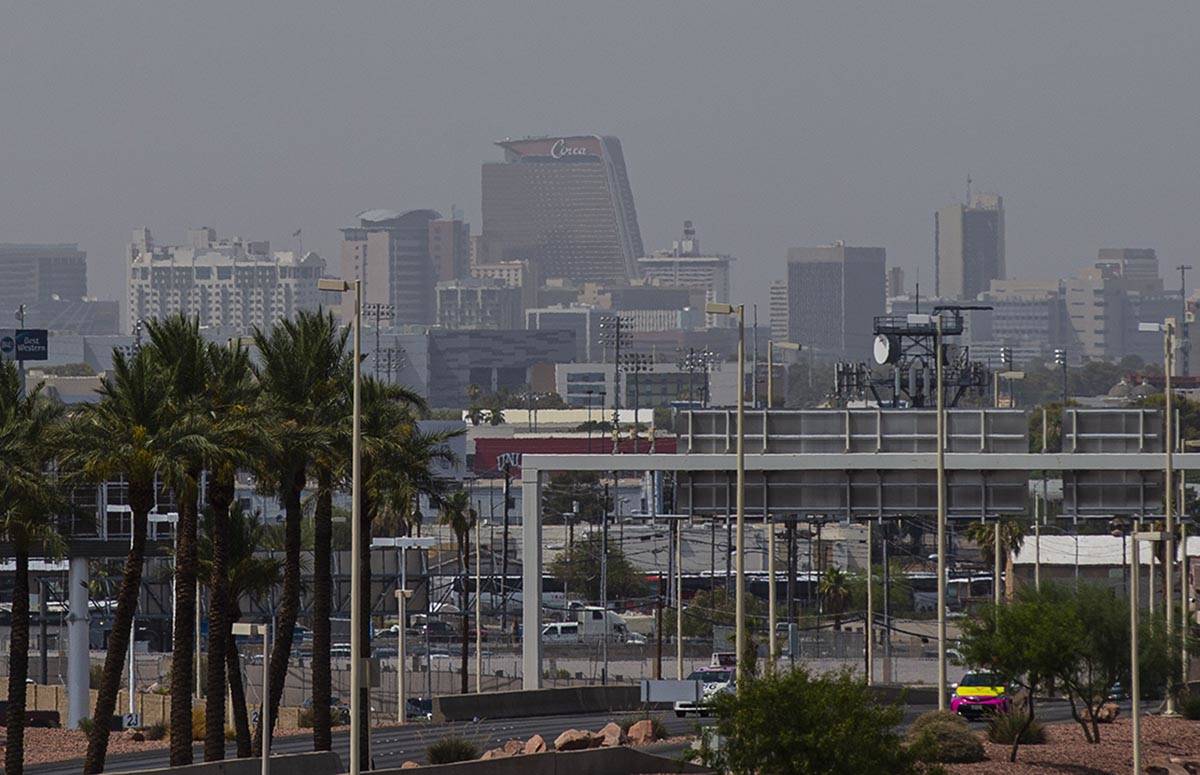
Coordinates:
[918,291]
[968,189]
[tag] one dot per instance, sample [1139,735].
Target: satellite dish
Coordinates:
[885,350]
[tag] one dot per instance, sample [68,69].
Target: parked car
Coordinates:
[439,631]
[635,638]
[418,709]
[339,711]
[561,632]
[714,681]
[979,693]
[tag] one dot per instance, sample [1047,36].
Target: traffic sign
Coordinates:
[131,720]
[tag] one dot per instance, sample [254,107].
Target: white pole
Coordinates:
[941,521]
[1134,678]
[355,539]
[266,704]
[197,634]
[772,654]
[996,561]
[740,580]
[1037,544]
[133,630]
[402,598]
[679,601]
[1168,498]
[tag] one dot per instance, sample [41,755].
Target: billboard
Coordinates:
[558,148]
[24,344]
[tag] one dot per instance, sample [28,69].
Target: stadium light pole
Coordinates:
[1167,329]
[402,544]
[739,617]
[772,610]
[356,659]
[248,629]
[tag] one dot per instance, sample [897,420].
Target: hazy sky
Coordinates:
[768,125]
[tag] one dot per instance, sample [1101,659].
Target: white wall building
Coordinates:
[230,283]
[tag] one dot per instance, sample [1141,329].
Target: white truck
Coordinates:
[596,622]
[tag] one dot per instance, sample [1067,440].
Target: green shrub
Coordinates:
[935,717]
[1004,728]
[451,749]
[86,725]
[948,742]
[305,718]
[1189,706]
[198,724]
[155,732]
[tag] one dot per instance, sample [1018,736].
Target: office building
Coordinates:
[685,266]
[515,274]
[1099,311]
[228,284]
[565,205]
[593,384]
[895,281]
[493,361]
[1138,268]
[777,314]
[390,252]
[835,292]
[969,247]
[450,249]
[51,282]
[475,304]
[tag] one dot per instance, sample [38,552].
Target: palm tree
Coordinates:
[27,499]
[835,589]
[1012,536]
[459,516]
[299,361]
[250,576]
[124,434]
[180,353]
[230,399]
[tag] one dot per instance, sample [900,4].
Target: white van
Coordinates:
[561,632]
[595,624]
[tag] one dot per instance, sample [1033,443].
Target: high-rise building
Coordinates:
[51,282]
[450,249]
[834,294]
[1099,311]
[685,266]
[583,322]
[778,312]
[231,284]
[895,281]
[969,247]
[565,205]
[1138,268]
[390,252]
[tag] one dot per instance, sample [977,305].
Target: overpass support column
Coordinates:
[78,659]
[531,578]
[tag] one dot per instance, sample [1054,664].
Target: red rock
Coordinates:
[409,765]
[642,732]
[611,735]
[495,753]
[535,744]
[1107,713]
[573,740]
[514,747]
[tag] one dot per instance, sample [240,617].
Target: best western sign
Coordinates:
[24,344]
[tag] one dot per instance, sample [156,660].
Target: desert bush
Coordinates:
[1004,728]
[155,732]
[305,719]
[451,749]
[86,725]
[198,724]
[947,741]
[1189,706]
[935,717]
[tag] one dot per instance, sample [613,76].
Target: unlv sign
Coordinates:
[559,150]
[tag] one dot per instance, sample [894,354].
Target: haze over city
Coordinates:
[768,126]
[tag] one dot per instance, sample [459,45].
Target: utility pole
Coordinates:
[504,556]
[1184,360]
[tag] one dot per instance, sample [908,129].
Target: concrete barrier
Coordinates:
[597,761]
[894,694]
[319,763]
[536,702]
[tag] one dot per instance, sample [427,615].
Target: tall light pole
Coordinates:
[403,594]
[1167,328]
[356,645]
[1184,355]
[248,629]
[941,518]
[772,644]
[739,617]
[1060,358]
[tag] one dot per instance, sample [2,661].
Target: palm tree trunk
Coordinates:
[289,603]
[364,587]
[141,498]
[18,664]
[237,692]
[322,679]
[464,543]
[183,657]
[1010,575]
[220,497]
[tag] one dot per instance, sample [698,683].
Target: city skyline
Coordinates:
[804,161]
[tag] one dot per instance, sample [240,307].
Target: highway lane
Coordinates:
[392,746]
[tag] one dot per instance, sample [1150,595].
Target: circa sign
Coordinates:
[559,149]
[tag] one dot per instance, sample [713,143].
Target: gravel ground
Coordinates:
[54,745]
[1065,749]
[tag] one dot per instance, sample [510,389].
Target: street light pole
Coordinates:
[248,629]
[357,705]
[1168,498]
[941,519]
